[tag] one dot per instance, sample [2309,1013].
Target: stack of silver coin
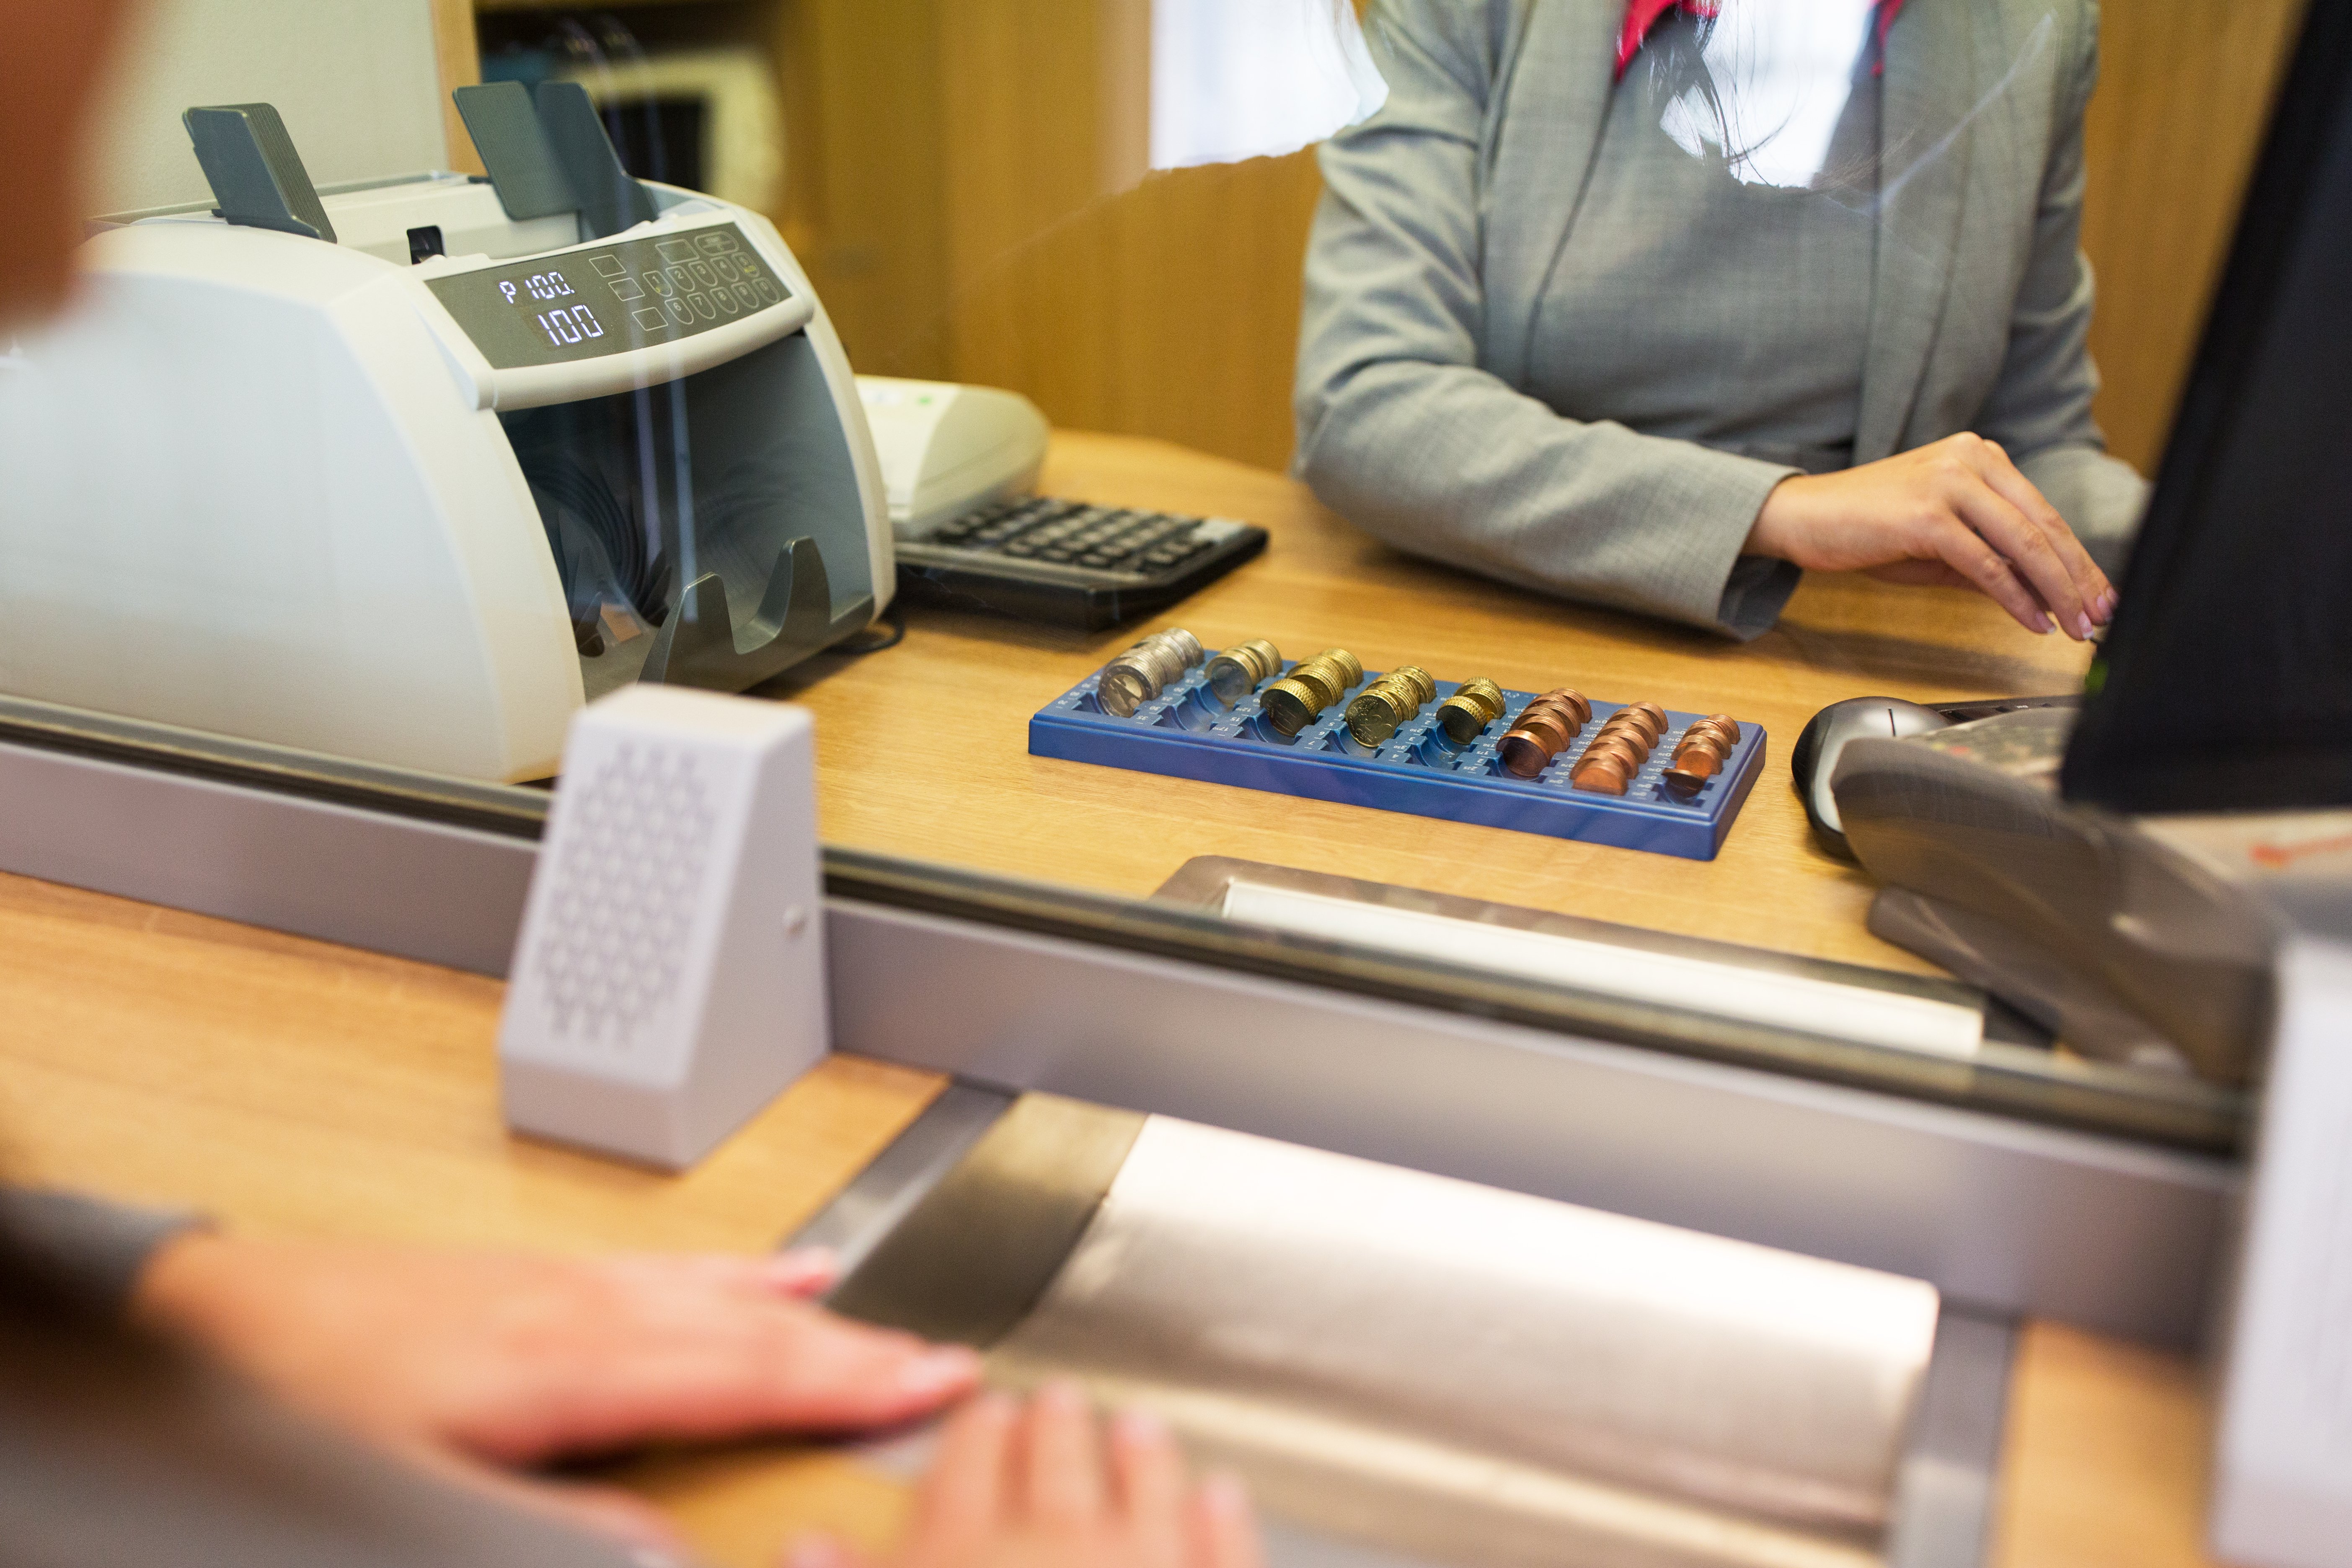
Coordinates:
[1147,669]
[1236,672]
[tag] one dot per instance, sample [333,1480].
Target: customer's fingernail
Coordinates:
[1225,1496]
[937,1370]
[1141,1427]
[812,1551]
[1065,1392]
[2083,621]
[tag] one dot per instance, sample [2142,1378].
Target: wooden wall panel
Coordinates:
[1164,304]
[868,210]
[1029,108]
[458,56]
[2185,90]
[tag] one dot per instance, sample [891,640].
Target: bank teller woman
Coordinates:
[1655,305]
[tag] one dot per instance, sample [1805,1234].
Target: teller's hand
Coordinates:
[471,1361]
[1957,513]
[1040,1487]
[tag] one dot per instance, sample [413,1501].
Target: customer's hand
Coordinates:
[1958,514]
[1041,1488]
[468,1359]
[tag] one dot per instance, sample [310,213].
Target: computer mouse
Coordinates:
[1816,758]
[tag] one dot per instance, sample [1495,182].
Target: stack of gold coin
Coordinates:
[1388,702]
[1145,670]
[1466,715]
[1542,731]
[1617,753]
[1235,673]
[1312,685]
[1702,752]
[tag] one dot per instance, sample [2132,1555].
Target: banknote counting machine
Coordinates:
[409,472]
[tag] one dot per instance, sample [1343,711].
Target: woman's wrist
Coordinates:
[1773,534]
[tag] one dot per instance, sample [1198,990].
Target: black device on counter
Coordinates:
[1070,563]
[2033,857]
[2226,682]
[1814,761]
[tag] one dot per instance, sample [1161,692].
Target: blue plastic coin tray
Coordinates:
[1186,733]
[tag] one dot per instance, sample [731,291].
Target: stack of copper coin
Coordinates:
[1388,702]
[1235,673]
[1145,670]
[1313,684]
[1702,752]
[1617,753]
[1466,715]
[1542,731]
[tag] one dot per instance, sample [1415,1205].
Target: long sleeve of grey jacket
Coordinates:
[119,1452]
[1432,247]
[94,1248]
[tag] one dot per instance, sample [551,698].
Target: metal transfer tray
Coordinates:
[1412,1371]
[1184,733]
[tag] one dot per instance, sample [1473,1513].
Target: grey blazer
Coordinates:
[1441,218]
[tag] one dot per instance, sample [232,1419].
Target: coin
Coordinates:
[1231,678]
[1617,748]
[1630,722]
[1414,679]
[1525,755]
[1143,671]
[1347,664]
[1601,777]
[1698,762]
[1711,739]
[1466,715]
[1235,673]
[1335,669]
[1290,706]
[1547,726]
[1629,736]
[1726,723]
[1570,714]
[1373,717]
[1124,689]
[1657,715]
[1314,679]
[1578,703]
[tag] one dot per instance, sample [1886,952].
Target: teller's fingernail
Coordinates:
[803,1261]
[938,1371]
[1066,1392]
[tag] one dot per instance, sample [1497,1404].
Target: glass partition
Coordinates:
[1498,426]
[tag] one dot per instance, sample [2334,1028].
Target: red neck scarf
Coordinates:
[1641,17]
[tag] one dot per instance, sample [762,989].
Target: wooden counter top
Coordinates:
[296,1089]
[923,749]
